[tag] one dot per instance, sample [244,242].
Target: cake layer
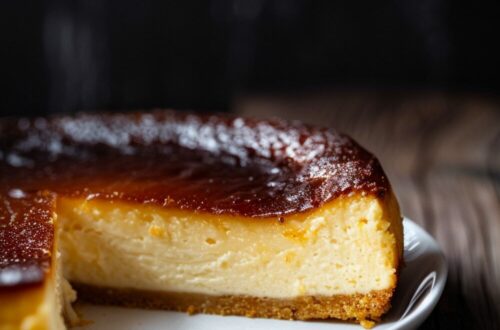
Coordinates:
[36,307]
[24,309]
[348,246]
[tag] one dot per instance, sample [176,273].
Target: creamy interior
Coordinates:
[347,246]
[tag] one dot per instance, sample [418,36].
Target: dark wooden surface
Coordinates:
[442,155]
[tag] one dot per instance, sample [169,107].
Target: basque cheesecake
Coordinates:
[209,214]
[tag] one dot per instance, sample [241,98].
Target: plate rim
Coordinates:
[422,311]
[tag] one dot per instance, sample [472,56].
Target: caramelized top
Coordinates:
[26,238]
[214,164]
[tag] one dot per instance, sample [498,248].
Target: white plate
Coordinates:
[421,284]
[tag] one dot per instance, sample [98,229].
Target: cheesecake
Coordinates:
[193,213]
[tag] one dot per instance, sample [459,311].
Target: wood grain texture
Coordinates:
[442,155]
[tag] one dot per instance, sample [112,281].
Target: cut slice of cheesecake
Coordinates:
[192,213]
[33,292]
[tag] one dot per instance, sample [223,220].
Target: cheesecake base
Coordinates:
[355,307]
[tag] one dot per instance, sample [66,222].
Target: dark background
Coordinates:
[66,56]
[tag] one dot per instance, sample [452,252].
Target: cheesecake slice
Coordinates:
[207,214]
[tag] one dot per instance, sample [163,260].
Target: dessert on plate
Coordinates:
[202,214]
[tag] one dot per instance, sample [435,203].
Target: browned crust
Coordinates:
[355,307]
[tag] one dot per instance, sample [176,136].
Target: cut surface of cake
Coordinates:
[211,214]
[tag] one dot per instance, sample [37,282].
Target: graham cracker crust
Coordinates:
[357,307]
